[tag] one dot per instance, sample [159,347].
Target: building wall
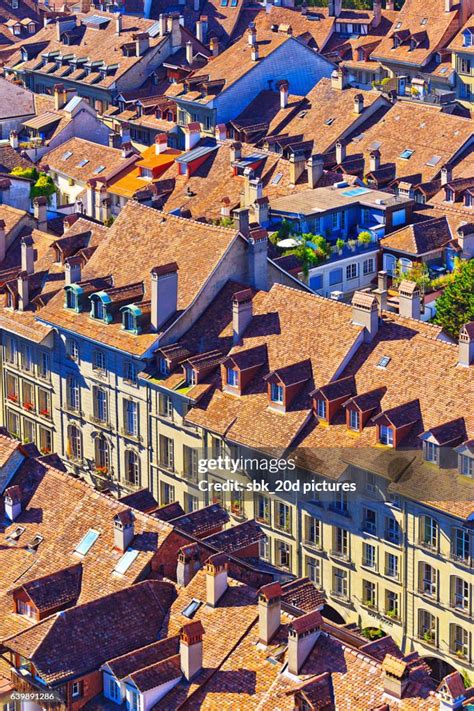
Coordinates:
[463,64]
[319,278]
[12,124]
[17,195]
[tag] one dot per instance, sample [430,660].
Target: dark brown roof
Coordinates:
[303,594]
[307,622]
[366,402]
[344,387]
[168,512]
[10,159]
[404,414]
[202,520]
[419,238]
[142,500]
[452,432]
[55,590]
[237,537]
[144,657]
[80,639]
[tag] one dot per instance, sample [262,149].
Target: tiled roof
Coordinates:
[414,18]
[169,511]
[10,159]
[142,500]
[143,657]
[420,237]
[55,590]
[96,155]
[62,529]
[82,638]
[197,248]
[433,136]
[457,43]
[197,523]
[15,100]
[303,594]
[237,537]
[7,447]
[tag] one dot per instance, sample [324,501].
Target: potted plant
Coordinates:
[340,245]
[102,470]
[13,397]
[352,244]
[44,412]
[428,637]
[28,406]
[391,614]
[364,238]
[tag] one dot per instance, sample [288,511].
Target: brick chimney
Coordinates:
[28,255]
[382,290]
[241,220]
[340,152]
[221,132]
[466,345]
[216,578]
[14,139]
[284,89]
[23,291]
[161,143]
[358,103]
[242,313]
[190,648]
[40,211]
[303,634]
[258,258]
[164,294]
[297,166]
[192,134]
[214,46]
[60,96]
[252,34]
[124,530]
[395,675]
[374,159]
[269,611]
[3,241]
[12,500]
[315,167]
[365,313]
[409,299]
[188,564]
[72,270]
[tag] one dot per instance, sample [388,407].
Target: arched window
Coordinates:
[405,264]
[71,299]
[128,320]
[132,467]
[102,459]
[74,442]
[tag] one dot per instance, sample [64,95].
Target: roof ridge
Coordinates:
[179,218]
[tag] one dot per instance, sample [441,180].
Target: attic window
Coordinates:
[33,545]
[224,3]
[99,169]
[276,393]
[83,163]
[424,21]
[163,366]
[383,362]
[126,561]
[129,321]
[354,420]
[386,435]
[329,121]
[87,542]
[15,535]
[434,160]
[276,179]
[234,3]
[398,25]
[232,377]
[406,154]
[302,114]
[321,409]
[67,155]
[191,609]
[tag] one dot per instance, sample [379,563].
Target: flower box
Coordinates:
[28,406]
[12,397]
[44,412]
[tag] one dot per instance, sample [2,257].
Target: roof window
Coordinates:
[126,561]
[87,542]
[191,609]
[406,154]
[383,362]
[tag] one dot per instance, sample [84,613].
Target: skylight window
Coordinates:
[329,121]
[406,154]
[398,25]
[383,362]
[191,609]
[83,163]
[87,542]
[15,535]
[276,179]
[126,561]
[434,160]
[99,169]
[33,545]
[67,155]
[224,3]
[424,21]
[302,114]
[234,3]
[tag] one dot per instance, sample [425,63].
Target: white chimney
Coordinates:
[381,292]
[3,241]
[60,96]
[365,313]
[142,43]
[14,139]
[340,152]
[297,166]
[235,151]
[358,103]
[409,300]
[72,270]
[252,34]
[303,634]
[214,46]
[189,52]
[40,211]
[446,174]
[216,578]
[190,648]
[200,31]
[188,564]
[315,167]
[448,5]
[242,313]
[118,23]
[269,611]
[221,132]
[124,530]
[284,87]
[127,149]
[12,502]
[164,294]
[23,291]
[192,134]
[374,159]
[163,25]
[254,53]
[466,345]
[161,143]
[27,255]
[241,220]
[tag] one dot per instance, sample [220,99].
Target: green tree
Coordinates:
[455,306]
[417,273]
[43,186]
[28,173]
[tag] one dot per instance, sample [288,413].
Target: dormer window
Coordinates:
[129,321]
[98,309]
[431,452]
[190,375]
[163,367]
[386,435]
[232,377]
[71,299]
[277,393]
[321,409]
[354,420]
[466,465]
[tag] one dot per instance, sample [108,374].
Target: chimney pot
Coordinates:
[72,270]
[252,34]
[221,132]
[216,578]
[60,96]
[118,23]
[284,88]
[14,139]
[189,52]
[40,211]
[192,135]
[124,530]
[365,313]
[254,53]
[161,143]
[315,167]
[164,294]
[12,502]
[374,160]
[188,563]
[241,220]
[358,103]
[340,152]
[466,345]
[409,299]
[446,174]
[303,634]
[269,611]
[214,46]
[27,255]
[23,291]
[258,258]
[190,649]
[297,166]
[242,313]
